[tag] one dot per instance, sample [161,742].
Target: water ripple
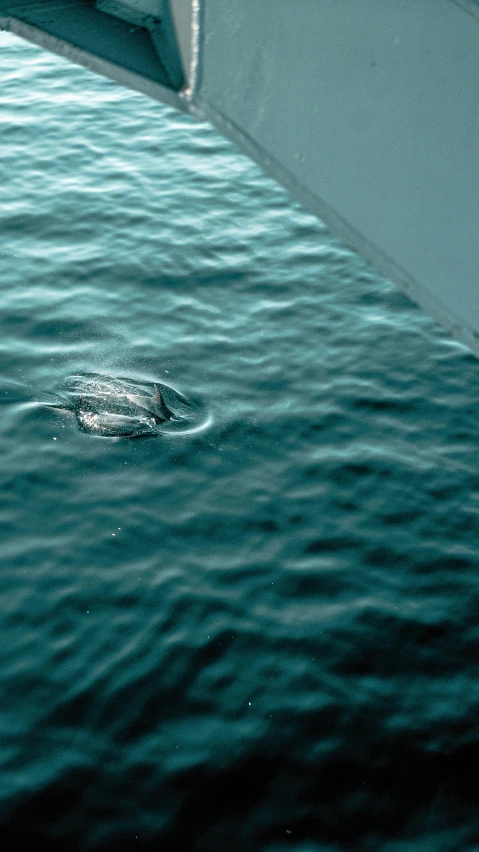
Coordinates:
[260,635]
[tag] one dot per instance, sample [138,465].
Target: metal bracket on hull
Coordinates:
[134,47]
[154,17]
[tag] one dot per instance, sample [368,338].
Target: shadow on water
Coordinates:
[366,794]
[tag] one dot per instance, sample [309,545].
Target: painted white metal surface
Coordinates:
[368,110]
[136,11]
[182,15]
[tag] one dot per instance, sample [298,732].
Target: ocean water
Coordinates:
[257,636]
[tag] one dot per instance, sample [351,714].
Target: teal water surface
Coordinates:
[256,636]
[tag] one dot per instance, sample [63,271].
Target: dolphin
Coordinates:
[154,405]
[114,425]
[101,406]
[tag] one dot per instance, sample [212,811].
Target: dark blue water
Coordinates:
[258,636]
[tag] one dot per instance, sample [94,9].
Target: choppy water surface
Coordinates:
[257,636]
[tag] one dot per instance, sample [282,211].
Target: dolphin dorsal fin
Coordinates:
[162,404]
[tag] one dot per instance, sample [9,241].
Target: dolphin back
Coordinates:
[162,406]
